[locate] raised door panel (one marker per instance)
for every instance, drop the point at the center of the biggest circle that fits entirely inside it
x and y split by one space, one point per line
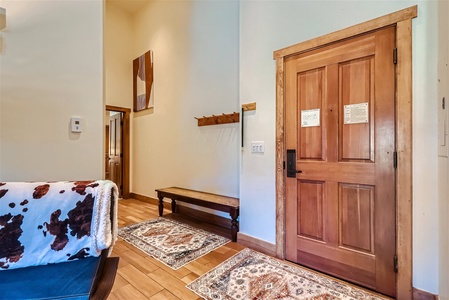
310 209
310 100
356 86
356 214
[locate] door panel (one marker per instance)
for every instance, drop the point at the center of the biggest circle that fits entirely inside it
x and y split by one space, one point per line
310 96
310 210
356 215
115 150
340 208
356 82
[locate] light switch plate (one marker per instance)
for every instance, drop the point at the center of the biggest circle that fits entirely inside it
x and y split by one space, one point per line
257 147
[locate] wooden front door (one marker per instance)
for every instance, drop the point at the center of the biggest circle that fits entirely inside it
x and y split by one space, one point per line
340 138
115 150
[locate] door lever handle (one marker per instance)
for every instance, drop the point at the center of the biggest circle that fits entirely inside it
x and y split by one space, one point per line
298 171
291 163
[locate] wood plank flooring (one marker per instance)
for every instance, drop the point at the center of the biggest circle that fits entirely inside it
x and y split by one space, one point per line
139 276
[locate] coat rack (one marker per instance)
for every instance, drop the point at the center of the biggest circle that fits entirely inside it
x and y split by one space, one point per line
226 118
220 119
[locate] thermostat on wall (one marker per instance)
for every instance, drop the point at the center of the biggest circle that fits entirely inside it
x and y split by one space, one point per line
76 124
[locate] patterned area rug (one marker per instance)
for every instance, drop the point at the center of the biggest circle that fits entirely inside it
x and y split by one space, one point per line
171 242
253 275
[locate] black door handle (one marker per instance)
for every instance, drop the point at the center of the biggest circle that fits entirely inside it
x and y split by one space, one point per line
291 163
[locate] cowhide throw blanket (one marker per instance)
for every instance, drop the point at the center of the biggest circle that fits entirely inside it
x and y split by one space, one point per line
51 222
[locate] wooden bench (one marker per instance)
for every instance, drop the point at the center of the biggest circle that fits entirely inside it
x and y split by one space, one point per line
213 201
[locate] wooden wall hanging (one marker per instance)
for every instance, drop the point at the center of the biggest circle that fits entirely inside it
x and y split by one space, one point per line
143 78
225 118
220 119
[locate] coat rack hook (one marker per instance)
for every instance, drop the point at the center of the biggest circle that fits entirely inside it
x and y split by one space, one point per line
218 119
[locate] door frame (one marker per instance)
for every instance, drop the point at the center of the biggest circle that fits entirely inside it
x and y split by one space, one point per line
125 146
403 21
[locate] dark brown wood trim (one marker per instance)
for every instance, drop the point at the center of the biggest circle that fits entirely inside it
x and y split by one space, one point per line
126 146
118 108
107 280
184 210
423 295
147 199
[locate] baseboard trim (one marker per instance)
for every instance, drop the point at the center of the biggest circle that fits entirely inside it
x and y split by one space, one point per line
149 200
256 244
184 210
423 295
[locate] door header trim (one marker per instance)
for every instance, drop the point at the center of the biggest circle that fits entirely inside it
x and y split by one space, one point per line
384 21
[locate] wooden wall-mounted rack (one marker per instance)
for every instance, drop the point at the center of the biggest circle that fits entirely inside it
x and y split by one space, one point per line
220 119
249 106
225 118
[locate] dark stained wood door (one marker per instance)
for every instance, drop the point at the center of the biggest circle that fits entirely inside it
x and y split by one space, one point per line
339 114
115 150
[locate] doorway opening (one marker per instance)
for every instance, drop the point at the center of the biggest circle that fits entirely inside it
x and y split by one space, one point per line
117 148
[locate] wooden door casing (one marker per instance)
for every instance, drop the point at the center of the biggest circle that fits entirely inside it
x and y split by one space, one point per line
106 170
340 211
115 150
126 113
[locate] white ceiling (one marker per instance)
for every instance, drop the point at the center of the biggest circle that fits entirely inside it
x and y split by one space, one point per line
130 6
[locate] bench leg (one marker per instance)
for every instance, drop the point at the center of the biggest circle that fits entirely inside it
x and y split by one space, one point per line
234 225
173 205
161 206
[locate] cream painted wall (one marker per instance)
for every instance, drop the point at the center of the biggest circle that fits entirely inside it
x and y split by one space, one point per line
266 26
118 56
195 49
51 70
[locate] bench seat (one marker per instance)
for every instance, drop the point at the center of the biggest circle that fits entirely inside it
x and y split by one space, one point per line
227 204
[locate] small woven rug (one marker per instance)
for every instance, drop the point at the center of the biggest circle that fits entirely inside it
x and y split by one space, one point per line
171 242
253 275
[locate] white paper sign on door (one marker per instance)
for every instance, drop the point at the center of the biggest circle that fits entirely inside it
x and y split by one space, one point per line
356 113
310 117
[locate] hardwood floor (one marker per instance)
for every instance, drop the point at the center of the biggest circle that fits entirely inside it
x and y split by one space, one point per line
139 276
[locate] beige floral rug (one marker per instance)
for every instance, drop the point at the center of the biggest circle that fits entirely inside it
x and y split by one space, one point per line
171 242
253 275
